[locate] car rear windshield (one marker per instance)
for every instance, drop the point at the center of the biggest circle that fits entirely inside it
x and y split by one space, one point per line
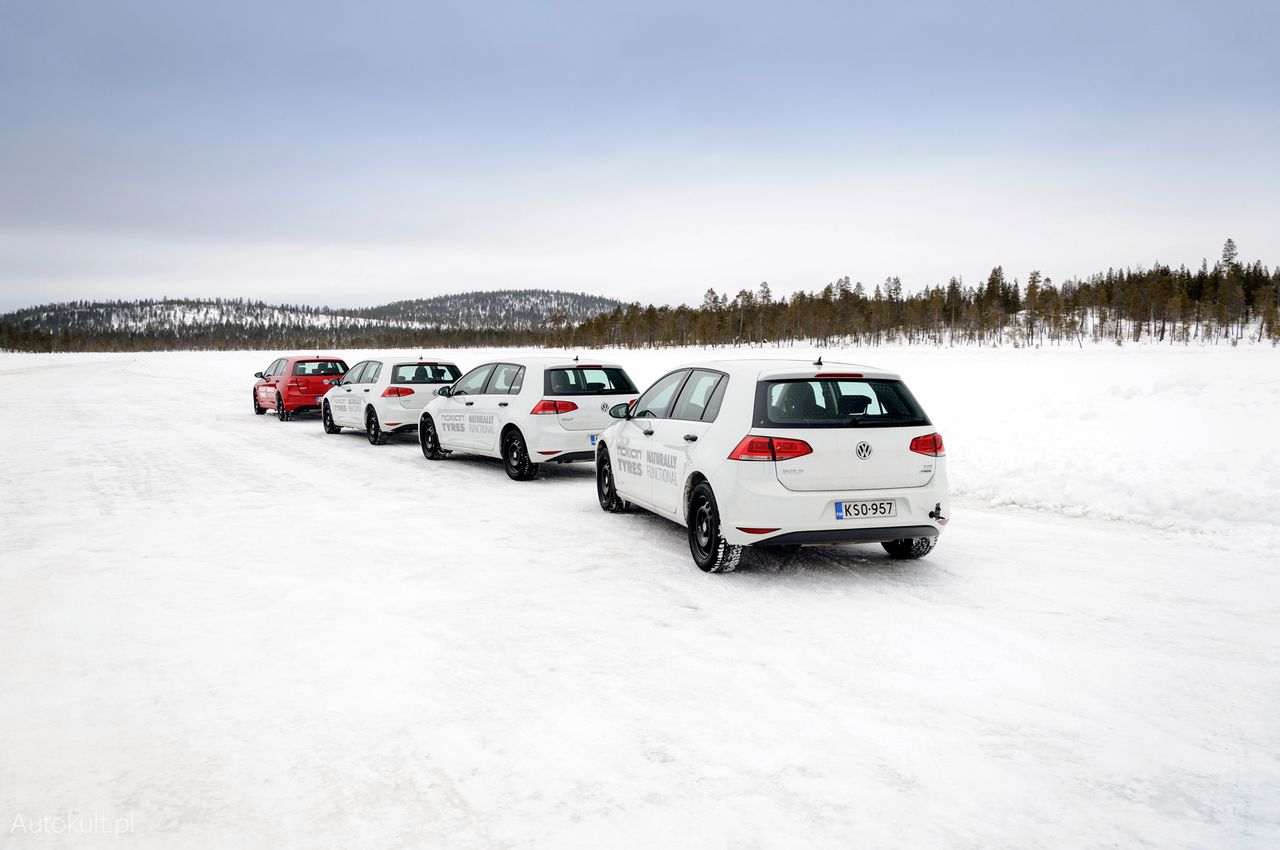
425 373
836 403
587 380
319 367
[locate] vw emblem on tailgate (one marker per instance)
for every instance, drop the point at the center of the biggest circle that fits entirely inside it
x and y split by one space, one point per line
863 450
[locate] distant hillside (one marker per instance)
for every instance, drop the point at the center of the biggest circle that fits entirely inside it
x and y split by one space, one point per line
520 309
527 314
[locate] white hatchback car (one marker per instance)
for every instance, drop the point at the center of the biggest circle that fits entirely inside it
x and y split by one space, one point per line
778 453
383 396
525 410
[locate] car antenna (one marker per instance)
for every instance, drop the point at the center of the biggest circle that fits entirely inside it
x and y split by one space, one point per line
818 362
575 358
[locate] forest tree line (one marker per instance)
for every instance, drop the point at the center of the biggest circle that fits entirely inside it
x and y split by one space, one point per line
1226 303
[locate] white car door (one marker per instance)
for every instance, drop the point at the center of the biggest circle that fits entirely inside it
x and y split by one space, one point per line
493 406
676 436
362 392
636 462
454 425
344 399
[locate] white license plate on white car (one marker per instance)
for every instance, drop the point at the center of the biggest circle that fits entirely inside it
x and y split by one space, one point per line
866 510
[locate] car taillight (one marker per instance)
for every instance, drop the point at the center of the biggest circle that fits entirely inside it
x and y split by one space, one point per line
394 392
930 444
769 448
549 406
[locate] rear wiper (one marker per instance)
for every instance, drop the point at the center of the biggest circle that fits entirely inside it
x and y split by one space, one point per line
855 421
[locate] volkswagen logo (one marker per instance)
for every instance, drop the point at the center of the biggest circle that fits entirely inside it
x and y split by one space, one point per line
863 451
604 405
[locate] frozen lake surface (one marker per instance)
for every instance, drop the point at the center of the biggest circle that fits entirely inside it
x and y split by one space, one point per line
237 632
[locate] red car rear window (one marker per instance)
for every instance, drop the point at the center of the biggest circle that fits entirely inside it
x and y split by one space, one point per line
319 367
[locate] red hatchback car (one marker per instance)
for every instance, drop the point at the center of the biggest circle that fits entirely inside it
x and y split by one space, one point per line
293 384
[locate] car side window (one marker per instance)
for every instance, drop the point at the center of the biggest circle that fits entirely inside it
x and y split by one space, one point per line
656 400
277 368
504 377
353 374
473 382
517 382
713 406
371 372
696 395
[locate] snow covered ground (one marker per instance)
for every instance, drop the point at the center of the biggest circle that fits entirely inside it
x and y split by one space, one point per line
226 631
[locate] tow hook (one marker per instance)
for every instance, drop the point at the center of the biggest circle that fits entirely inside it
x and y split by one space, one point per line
936 513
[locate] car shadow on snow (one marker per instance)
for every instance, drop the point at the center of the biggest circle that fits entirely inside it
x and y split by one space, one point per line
849 561
548 473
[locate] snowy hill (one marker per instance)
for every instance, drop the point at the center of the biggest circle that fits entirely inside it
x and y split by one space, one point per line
517 309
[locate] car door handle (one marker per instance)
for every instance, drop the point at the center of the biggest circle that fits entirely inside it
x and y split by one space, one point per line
468 403
648 432
691 438
366 390
503 403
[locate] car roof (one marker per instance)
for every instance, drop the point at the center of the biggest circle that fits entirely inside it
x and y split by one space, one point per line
564 361
401 359
784 368
314 357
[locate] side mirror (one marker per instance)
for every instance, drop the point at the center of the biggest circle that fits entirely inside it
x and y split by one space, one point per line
620 411
445 391
257 374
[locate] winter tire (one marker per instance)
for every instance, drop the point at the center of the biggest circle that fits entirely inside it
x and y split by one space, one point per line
515 457
430 440
373 429
606 487
257 408
707 545
326 416
911 548
281 413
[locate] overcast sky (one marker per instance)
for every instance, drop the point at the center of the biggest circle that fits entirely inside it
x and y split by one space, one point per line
356 152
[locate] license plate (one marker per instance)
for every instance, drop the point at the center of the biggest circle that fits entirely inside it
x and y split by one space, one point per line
593 439
866 510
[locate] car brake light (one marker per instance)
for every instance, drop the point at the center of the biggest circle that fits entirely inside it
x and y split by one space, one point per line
550 406
930 444
393 392
757 530
769 448
838 375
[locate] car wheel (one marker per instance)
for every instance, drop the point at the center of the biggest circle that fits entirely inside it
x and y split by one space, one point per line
373 429
606 487
710 551
257 407
911 548
515 457
281 413
430 439
326 416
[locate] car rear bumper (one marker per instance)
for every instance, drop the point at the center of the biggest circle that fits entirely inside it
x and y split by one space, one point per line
556 445
777 516
850 535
